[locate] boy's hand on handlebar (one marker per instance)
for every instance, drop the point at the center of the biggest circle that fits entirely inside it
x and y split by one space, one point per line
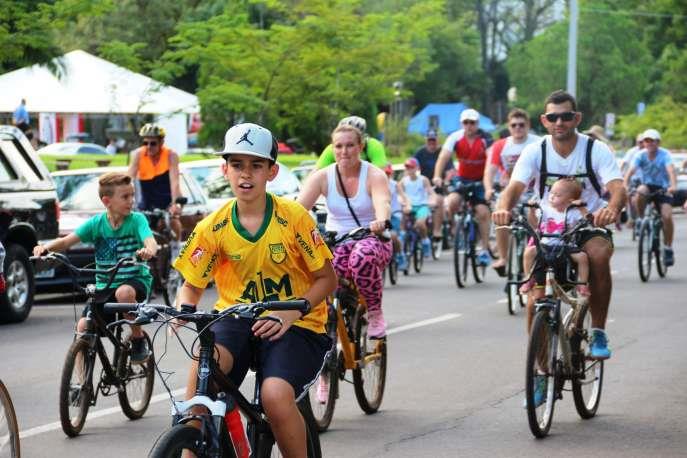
40 250
145 253
273 329
436 181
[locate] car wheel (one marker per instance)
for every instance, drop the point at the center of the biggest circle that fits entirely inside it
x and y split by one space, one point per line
16 301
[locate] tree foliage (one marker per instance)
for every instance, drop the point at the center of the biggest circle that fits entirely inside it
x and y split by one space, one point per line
666 115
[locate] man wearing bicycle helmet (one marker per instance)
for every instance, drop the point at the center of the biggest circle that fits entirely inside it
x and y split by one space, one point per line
260 247
373 149
157 169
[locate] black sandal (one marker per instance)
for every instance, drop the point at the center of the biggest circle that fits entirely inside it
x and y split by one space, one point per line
501 270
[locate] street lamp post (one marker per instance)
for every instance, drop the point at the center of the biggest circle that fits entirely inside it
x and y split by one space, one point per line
572 49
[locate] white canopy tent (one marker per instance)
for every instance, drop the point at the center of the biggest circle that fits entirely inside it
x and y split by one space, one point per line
86 84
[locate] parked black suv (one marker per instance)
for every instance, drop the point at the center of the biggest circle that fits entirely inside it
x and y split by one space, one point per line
29 211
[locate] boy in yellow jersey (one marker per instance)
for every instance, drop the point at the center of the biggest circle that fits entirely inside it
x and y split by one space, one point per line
260 247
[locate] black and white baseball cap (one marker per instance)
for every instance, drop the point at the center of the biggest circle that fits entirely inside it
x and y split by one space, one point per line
250 139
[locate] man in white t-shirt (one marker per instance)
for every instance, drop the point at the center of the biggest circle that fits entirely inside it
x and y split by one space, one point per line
501 157
566 154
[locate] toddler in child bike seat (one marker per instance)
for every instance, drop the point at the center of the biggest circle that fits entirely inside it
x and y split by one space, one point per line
563 193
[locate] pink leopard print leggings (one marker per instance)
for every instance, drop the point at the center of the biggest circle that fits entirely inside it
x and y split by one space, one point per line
363 262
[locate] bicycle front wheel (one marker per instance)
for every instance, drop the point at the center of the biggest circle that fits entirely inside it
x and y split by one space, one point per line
369 374
417 255
267 448
172 284
460 257
393 270
324 392
661 267
9 430
183 438
514 274
588 373
540 376
138 380
76 386
645 249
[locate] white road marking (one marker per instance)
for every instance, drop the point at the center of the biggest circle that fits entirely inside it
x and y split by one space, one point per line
165 396
502 301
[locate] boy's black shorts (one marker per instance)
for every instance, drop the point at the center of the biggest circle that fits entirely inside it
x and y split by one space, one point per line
108 295
297 356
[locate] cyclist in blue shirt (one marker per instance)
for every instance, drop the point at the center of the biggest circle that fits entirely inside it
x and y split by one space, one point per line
658 173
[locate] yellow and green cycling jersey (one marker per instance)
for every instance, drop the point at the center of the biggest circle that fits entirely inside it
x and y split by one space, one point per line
274 264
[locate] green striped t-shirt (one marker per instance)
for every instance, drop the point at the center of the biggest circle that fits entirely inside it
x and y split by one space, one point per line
111 245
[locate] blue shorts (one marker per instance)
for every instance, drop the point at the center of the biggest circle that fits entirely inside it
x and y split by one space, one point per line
395 222
421 211
477 196
297 356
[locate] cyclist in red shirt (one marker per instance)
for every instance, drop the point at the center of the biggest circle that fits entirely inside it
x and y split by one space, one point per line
470 149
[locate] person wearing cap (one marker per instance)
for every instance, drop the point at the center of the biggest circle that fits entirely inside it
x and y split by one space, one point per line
357 195
598 133
419 192
261 247
373 150
625 164
427 157
157 169
470 149
566 153
502 156
658 176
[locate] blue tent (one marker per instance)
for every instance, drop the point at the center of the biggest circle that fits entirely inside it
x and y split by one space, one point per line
446 116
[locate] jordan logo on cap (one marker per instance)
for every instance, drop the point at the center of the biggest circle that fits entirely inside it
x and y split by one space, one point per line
244 138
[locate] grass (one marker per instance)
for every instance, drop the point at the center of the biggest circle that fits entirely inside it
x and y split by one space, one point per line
84 161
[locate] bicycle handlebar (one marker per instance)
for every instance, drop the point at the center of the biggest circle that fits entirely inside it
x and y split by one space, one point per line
358 233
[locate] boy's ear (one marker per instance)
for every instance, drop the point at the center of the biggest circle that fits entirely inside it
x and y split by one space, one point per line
105 200
274 169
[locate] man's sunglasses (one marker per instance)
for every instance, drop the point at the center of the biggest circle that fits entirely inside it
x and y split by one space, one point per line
469 121
149 143
518 124
566 117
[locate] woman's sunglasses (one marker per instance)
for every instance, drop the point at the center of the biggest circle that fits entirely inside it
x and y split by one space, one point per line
566 117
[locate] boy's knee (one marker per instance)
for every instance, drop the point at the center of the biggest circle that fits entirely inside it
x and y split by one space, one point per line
125 293
277 397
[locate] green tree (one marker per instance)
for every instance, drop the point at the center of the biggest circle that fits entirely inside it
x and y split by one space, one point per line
612 63
666 115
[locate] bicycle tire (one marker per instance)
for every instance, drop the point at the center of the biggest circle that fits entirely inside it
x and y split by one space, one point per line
661 267
324 412
76 395
183 437
587 380
393 270
418 257
365 376
135 406
513 273
172 284
460 257
644 252
542 342
407 252
8 420
478 270
266 449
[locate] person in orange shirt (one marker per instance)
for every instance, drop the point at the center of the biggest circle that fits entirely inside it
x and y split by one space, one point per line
157 169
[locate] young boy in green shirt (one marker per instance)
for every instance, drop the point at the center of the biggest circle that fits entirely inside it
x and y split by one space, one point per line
116 233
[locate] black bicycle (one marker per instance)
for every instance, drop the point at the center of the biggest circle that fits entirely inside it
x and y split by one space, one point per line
559 344
650 234
9 431
352 349
88 370
466 236
216 393
166 279
515 270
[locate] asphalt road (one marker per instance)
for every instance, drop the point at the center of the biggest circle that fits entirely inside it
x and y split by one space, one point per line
454 384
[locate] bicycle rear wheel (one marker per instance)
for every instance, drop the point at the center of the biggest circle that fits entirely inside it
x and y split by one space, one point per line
76 386
645 249
514 273
588 373
407 251
661 267
267 447
369 374
393 270
478 269
540 376
460 257
324 392
9 430
138 380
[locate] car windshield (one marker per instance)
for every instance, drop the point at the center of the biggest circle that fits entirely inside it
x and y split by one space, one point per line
86 198
69 184
217 187
205 174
